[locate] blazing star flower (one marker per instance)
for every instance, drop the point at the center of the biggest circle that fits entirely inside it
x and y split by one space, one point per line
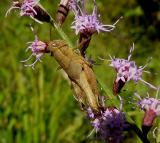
151 106
109 125
27 8
84 23
32 9
38 48
127 70
150 103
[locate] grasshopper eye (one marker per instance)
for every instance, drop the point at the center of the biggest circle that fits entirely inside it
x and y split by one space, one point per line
54 45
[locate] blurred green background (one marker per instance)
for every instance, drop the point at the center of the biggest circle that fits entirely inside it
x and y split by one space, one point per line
37 106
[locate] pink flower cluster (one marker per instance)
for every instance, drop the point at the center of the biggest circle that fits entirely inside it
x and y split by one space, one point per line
110 125
26 8
87 23
38 48
126 69
150 104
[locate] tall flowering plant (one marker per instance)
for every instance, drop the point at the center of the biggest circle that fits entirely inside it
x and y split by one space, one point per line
109 122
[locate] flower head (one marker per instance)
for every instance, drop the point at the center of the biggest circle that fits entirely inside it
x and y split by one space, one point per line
110 125
128 70
27 8
151 106
87 23
38 48
32 9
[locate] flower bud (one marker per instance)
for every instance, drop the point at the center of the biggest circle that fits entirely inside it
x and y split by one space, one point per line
117 86
62 12
149 117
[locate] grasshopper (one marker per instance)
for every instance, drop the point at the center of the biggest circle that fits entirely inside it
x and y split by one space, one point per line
79 72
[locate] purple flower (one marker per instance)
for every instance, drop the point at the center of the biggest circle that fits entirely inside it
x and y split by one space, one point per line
32 9
27 8
90 113
128 70
85 23
151 106
110 125
38 48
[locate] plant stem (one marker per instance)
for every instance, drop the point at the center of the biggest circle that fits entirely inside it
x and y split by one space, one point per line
139 133
61 32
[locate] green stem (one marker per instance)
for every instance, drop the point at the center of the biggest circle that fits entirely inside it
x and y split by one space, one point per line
139 133
61 32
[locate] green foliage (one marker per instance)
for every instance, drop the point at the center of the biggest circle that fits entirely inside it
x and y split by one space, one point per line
38 106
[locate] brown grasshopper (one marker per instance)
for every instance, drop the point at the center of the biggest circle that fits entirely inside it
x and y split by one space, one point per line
79 72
